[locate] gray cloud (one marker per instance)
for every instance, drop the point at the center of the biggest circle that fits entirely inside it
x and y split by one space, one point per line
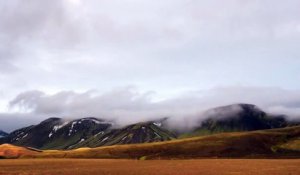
128 105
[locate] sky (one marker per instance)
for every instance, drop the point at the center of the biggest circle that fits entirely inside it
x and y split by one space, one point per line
135 59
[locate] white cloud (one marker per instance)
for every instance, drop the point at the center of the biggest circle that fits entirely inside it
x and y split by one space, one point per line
129 105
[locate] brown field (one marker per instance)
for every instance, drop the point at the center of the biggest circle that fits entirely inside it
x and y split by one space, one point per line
136 167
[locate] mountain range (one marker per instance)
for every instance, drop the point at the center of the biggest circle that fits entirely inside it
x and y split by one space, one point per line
57 133
271 143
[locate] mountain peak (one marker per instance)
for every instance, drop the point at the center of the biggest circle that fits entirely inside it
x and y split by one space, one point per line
246 106
233 110
52 119
238 117
242 106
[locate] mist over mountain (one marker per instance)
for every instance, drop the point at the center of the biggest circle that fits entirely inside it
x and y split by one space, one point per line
57 133
128 105
238 117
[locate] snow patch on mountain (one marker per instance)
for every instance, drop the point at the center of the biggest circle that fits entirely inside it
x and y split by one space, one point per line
20 136
95 121
71 128
24 136
124 138
100 133
72 146
157 124
57 127
157 134
104 139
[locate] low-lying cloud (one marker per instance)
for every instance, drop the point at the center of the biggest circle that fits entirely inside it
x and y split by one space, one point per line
128 105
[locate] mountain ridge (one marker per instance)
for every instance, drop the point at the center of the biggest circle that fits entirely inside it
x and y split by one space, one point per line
57 133
271 143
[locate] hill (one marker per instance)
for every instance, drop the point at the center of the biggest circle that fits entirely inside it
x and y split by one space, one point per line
11 151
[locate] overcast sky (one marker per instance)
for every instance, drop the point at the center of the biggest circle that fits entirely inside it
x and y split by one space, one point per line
134 59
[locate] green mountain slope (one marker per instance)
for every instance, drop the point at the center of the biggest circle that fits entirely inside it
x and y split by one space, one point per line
137 133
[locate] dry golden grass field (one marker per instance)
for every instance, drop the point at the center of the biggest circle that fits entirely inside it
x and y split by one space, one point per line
148 167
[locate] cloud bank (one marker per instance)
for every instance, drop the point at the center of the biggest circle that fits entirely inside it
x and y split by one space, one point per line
128 105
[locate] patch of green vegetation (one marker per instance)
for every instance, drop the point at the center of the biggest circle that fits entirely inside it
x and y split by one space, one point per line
209 131
293 145
143 158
